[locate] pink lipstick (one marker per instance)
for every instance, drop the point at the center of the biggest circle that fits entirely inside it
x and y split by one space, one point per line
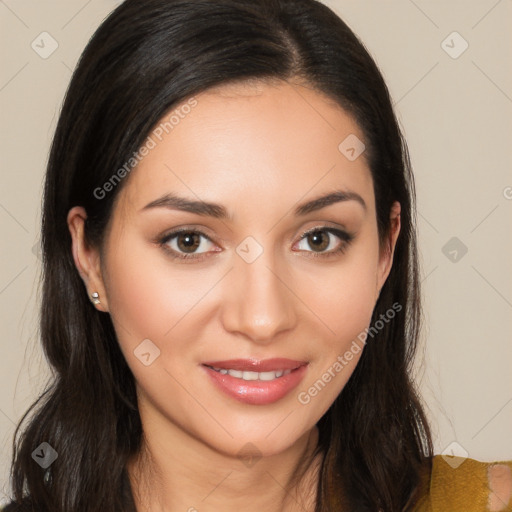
256 382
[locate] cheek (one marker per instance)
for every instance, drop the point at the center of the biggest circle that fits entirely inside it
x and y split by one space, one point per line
343 300
342 296
337 353
147 300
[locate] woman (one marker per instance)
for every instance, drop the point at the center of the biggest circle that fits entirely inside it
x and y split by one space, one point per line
231 295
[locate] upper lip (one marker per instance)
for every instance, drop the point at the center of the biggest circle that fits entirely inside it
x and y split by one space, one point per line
254 365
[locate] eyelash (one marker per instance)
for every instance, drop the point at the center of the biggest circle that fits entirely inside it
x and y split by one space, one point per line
345 237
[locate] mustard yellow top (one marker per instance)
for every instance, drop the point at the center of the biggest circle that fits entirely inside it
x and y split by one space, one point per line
458 484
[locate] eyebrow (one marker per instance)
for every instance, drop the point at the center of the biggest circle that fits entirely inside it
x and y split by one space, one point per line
174 202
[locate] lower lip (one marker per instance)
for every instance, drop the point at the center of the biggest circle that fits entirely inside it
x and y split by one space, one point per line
257 392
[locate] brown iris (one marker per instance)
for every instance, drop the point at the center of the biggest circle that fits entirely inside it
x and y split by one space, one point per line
190 241
318 240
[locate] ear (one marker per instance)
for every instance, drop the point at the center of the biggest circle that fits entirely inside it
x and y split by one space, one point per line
386 256
87 259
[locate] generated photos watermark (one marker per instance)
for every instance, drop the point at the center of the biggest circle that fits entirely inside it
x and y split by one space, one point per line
151 142
304 397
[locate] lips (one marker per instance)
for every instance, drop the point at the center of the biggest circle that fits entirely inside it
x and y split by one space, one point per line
256 382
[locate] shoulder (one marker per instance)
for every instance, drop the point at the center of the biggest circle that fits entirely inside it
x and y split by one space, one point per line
457 483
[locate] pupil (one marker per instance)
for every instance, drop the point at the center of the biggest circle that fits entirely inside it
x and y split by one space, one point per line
191 241
316 237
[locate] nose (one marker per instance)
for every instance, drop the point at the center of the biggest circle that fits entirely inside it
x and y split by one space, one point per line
259 302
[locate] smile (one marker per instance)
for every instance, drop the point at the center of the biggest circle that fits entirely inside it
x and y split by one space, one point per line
249 375
256 382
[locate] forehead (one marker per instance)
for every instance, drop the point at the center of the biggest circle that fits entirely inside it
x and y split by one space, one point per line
244 143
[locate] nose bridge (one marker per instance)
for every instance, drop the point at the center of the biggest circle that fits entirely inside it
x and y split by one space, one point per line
260 303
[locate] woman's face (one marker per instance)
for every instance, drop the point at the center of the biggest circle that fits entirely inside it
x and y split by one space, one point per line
253 287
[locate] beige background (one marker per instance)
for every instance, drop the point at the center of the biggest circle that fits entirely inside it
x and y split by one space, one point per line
456 114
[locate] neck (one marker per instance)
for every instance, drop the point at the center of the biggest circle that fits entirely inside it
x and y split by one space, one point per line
176 472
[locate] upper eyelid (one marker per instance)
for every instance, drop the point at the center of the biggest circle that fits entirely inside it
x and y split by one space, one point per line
329 229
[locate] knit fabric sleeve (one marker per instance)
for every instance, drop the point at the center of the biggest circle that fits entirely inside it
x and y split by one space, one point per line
460 484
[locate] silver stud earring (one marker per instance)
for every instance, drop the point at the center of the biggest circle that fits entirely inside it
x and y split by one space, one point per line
95 298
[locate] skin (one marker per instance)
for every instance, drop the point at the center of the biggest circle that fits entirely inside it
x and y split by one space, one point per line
259 150
500 486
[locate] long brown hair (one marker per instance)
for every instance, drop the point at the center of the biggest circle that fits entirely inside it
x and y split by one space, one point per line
146 58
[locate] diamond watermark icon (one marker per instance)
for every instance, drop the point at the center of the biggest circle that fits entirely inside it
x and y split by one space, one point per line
36 250
146 352
454 454
352 147
249 249
454 45
249 454
454 249
44 45
44 455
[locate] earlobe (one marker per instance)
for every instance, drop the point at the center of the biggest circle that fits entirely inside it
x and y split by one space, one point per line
86 258
386 258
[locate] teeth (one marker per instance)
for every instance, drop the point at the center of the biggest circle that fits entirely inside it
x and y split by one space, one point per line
270 375
252 375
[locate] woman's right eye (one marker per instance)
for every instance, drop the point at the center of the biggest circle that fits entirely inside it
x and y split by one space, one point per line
184 244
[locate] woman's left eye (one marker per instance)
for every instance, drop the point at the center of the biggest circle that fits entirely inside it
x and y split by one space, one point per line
322 242
190 244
